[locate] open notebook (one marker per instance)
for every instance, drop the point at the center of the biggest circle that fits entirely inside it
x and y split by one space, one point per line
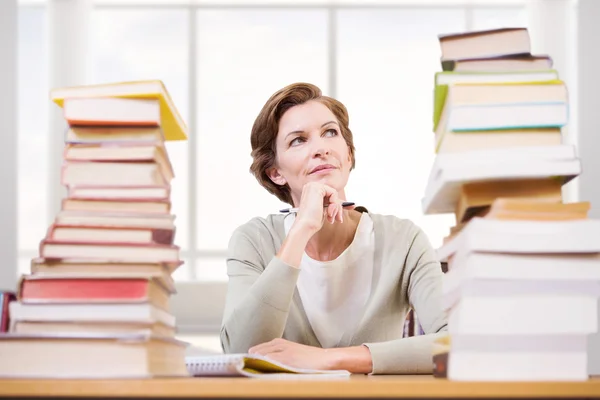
254 366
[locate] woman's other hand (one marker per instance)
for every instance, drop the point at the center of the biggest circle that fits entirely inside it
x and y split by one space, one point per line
318 203
294 354
355 359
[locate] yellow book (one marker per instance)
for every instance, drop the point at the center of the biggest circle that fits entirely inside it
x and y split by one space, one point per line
173 126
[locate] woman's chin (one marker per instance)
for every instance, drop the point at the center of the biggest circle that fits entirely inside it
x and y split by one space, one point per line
328 180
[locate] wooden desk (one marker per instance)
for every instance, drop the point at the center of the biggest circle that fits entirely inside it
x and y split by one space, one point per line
356 387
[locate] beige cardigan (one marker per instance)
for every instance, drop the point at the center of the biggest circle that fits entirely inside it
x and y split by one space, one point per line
263 303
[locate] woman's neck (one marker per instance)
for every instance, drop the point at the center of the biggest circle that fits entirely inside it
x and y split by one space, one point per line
332 239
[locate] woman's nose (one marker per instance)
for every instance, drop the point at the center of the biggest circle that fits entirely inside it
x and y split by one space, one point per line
321 151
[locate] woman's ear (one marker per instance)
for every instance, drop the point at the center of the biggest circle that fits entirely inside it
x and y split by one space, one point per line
275 176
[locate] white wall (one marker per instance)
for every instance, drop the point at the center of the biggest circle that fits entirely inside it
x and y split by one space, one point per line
588 31
8 149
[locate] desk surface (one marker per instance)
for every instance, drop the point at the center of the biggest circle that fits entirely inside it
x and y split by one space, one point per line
409 386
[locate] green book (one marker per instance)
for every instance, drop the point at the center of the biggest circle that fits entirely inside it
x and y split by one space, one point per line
444 78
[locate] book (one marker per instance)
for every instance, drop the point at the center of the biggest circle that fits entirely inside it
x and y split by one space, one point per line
499 98
116 252
124 206
115 219
525 62
98 290
147 193
5 299
451 171
485 43
476 197
107 111
516 357
96 267
252 366
172 124
443 80
534 210
105 234
466 141
118 174
113 135
90 312
90 356
97 327
522 236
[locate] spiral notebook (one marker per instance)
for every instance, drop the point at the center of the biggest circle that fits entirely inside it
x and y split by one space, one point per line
253 366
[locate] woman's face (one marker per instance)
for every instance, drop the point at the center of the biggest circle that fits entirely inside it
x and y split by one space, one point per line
310 147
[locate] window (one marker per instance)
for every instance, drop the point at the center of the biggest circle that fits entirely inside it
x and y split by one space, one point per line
243 57
491 18
32 141
386 65
150 44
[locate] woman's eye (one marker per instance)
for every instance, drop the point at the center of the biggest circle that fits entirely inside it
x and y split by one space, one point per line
296 141
331 132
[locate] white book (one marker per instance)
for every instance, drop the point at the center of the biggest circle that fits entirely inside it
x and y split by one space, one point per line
518 358
501 155
452 170
477 117
443 190
483 265
525 315
454 77
519 236
472 158
492 306
88 312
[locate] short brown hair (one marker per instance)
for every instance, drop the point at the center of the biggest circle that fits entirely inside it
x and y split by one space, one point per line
264 131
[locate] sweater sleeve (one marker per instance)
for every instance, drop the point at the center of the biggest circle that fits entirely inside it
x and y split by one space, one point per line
413 355
258 298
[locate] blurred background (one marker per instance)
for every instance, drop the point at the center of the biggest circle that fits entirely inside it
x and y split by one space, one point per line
221 60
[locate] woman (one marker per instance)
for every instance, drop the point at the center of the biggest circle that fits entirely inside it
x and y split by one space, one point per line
327 287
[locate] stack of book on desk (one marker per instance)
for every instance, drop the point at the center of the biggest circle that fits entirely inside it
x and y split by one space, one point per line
523 279
96 303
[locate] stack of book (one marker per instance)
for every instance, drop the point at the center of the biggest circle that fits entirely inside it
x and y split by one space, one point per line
523 266
96 303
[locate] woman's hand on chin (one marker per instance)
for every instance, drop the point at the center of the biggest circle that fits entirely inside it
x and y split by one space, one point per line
312 212
296 355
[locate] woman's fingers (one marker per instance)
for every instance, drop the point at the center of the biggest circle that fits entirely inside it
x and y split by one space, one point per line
331 195
331 212
267 347
334 205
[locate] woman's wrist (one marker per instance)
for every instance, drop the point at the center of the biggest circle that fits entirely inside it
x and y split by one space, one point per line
356 359
293 246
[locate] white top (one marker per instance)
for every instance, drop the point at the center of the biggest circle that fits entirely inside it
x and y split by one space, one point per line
334 293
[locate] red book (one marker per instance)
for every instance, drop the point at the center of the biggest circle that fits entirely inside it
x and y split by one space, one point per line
92 290
5 299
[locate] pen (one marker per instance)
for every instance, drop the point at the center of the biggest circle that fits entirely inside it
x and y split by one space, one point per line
293 210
